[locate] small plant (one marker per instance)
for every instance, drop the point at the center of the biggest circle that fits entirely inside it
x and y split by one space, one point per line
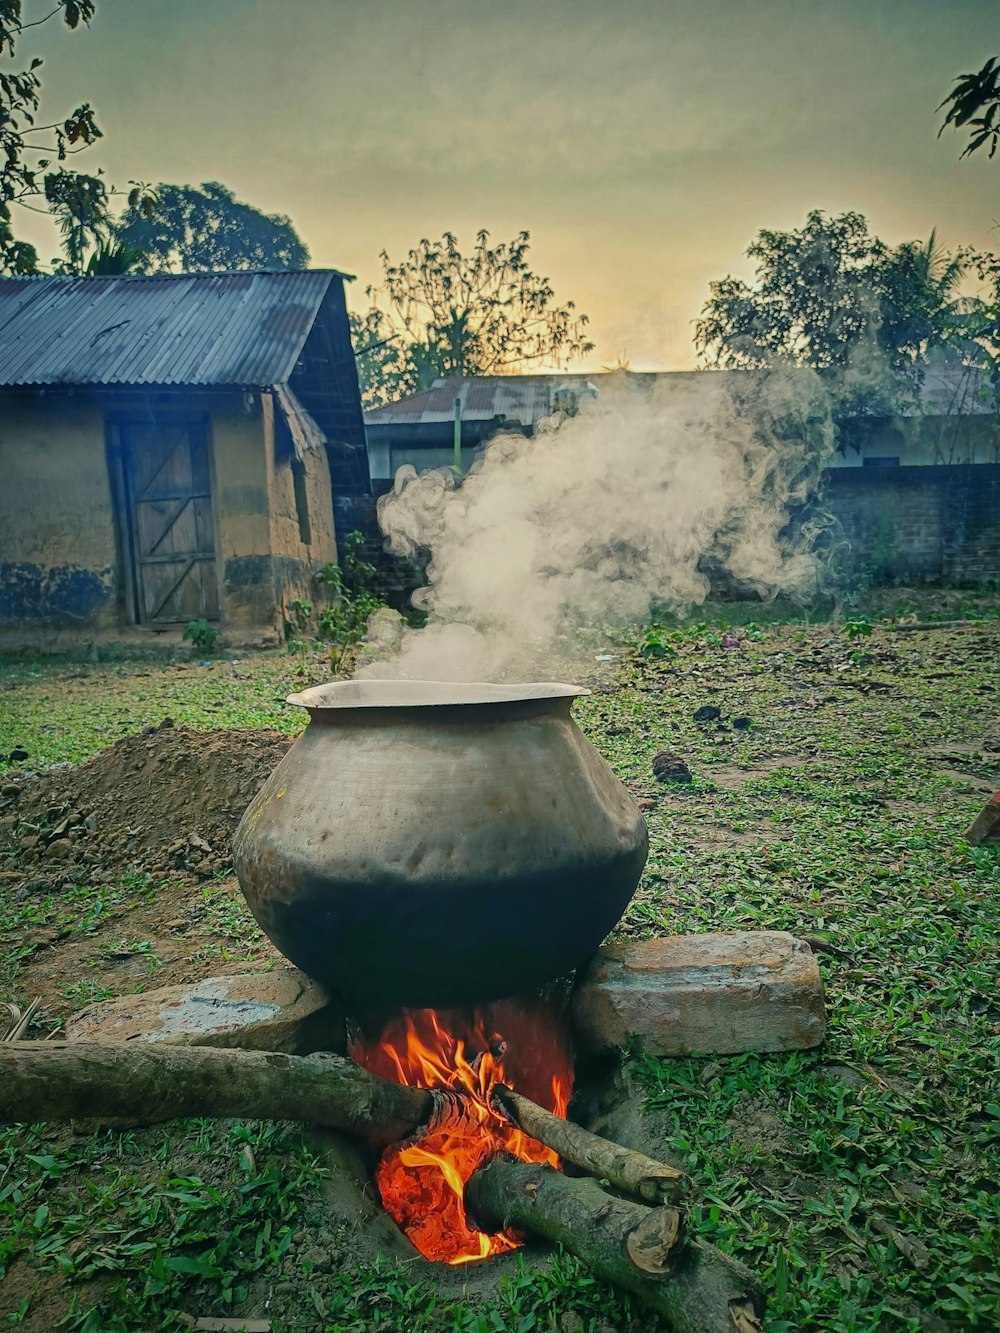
858 629
345 621
655 642
301 615
201 635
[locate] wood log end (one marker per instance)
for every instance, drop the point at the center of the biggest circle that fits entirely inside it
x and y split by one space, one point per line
655 1244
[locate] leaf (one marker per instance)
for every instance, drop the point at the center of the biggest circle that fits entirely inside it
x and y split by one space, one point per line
203 1266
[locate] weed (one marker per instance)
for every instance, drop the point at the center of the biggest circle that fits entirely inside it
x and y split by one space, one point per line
201 635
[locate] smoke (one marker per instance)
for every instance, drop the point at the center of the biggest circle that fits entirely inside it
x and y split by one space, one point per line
651 488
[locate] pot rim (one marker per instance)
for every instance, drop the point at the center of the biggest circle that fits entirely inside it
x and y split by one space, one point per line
356 694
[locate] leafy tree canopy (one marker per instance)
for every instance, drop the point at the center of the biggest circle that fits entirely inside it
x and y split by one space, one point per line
207 229
975 102
834 297
26 147
440 312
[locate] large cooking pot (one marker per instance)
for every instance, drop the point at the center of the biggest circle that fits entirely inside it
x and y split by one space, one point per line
428 844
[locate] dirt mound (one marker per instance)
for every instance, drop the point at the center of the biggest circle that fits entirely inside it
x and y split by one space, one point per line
167 799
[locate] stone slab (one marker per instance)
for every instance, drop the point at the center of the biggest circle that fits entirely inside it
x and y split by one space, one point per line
984 831
711 994
283 1010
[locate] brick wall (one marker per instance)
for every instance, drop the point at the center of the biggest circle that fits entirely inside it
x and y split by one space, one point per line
921 524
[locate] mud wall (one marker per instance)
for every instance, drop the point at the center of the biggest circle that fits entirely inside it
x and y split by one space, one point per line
303 538
60 562
58 557
274 530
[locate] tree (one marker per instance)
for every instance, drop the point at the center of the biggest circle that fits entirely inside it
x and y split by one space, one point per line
835 298
27 148
975 101
440 312
208 229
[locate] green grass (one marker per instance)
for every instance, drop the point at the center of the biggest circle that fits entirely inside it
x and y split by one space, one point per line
860 1179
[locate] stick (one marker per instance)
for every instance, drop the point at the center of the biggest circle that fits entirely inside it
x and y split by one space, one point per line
144 1084
22 1020
631 1172
697 1287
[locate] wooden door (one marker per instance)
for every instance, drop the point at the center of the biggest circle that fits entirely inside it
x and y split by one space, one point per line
168 496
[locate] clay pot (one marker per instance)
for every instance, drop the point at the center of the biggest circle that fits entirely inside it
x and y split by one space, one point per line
429 844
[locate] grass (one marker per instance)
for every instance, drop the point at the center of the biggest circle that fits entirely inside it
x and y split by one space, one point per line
860 1179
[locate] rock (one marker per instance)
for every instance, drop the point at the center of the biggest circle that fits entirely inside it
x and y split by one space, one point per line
283 1010
12 789
718 993
60 849
741 724
669 767
708 713
17 755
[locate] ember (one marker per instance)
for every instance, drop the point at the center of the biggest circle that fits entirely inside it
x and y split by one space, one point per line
468 1053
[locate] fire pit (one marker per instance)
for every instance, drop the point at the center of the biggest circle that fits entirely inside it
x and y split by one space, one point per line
464 1056
430 844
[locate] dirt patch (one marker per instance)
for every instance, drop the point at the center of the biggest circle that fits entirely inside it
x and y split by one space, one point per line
754 1124
731 778
116 876
166 799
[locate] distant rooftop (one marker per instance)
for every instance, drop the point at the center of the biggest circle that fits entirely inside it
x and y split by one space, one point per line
244 329
948 389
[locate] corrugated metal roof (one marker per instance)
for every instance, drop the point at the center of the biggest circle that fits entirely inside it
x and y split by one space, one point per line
948 390
516 398
243 329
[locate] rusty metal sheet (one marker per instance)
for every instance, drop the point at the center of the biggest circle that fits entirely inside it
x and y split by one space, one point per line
244 329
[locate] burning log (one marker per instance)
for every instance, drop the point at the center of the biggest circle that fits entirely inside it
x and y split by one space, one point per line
144 1084
697 1287
631 1172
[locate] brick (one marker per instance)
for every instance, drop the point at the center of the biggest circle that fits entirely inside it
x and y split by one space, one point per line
283 1010
985 828
718 994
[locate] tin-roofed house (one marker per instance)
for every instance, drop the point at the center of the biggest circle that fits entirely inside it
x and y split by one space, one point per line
172 447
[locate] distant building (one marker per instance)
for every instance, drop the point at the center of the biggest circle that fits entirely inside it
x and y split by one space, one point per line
172 447
954 422
917 495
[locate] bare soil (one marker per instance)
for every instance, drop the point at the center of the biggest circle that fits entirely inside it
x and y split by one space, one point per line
122 866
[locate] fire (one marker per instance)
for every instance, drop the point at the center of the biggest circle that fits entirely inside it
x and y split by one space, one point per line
422 1181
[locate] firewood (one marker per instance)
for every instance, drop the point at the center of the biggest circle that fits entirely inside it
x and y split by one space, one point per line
143 1084
631 1172
695 1286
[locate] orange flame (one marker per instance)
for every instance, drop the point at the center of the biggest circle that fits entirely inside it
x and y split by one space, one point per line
422 1181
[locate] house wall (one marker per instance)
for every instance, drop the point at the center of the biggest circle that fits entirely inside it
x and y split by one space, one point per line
60 567
928 441
58 555
297 510
921 524
264 562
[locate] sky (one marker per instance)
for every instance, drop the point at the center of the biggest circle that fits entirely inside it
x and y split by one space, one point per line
642 144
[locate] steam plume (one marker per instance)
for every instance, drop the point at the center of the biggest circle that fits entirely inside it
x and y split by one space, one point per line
624 505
